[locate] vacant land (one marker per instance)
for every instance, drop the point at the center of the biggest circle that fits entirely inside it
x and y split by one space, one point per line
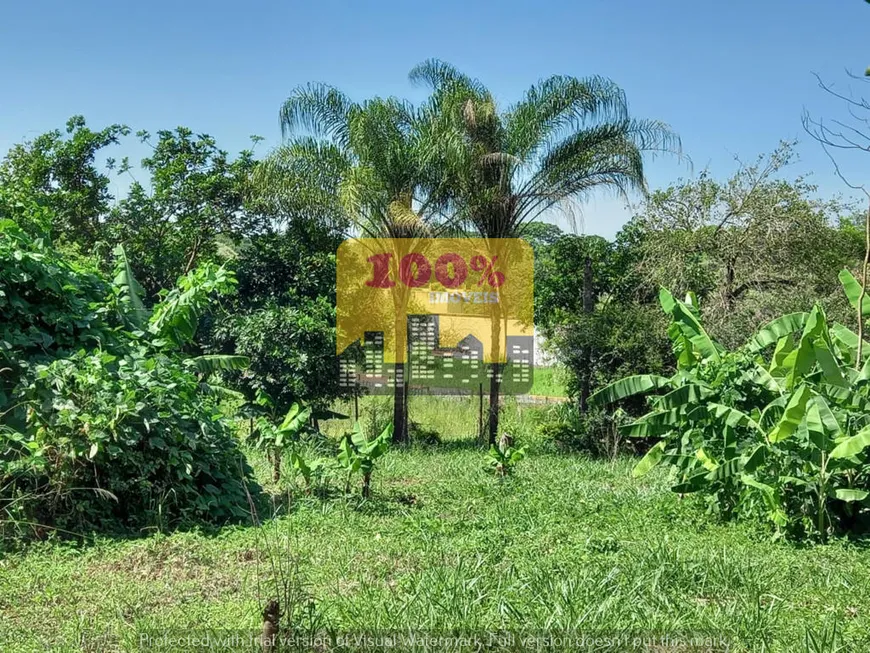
565 543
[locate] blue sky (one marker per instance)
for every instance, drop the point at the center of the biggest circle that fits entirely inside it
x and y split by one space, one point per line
731 77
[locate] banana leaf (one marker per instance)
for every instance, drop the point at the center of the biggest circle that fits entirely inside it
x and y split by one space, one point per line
853 292
793 415
627 387
776 330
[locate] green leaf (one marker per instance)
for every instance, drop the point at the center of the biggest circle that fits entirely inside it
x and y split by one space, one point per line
822 424
847 342
769 493
691 328
793 415
211 363
693 483
850 495
852 446
778 365
846 397
221 392
652 458
708 463
627 387
853 292
295 420
732 417
772 412
762 377
726 470
667 300
755 459
865 372
347 456
300 465
802 360
830 366
776 330
641 429
126 282
682 396
672 417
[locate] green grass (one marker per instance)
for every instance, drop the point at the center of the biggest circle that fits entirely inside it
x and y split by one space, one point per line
566 543
549 382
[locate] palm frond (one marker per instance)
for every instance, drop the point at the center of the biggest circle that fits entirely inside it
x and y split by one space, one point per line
437 74
318 108
609 155
221 392
558 103
302 176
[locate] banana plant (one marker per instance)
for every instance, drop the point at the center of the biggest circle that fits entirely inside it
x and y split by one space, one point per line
311 471
274 439
779 427
502 460
358 454
172 323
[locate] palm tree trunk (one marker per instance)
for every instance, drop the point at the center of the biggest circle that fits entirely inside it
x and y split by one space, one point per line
400 416
400 399
495 380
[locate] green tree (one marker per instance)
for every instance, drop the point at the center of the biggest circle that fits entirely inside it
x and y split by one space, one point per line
500 170
603 326
193 202
357 163
750 247
283 317
59 171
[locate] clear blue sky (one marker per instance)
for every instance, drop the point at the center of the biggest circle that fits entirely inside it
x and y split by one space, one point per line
731 77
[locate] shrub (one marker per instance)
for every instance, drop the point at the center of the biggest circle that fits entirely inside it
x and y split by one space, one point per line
356 453
782 437
139 429
594 432
503 457
102 420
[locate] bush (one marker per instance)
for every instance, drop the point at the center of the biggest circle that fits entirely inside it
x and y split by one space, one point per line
781 437
103 422
594 432
138 429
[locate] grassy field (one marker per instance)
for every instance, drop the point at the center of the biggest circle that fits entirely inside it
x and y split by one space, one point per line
548 382
566 543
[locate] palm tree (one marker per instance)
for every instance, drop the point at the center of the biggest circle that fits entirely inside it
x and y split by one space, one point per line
497 171
357 162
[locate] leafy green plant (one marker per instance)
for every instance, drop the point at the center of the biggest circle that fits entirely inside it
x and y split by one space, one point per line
356 453
595 431
503 457
103 420
779 435
274 439
313 471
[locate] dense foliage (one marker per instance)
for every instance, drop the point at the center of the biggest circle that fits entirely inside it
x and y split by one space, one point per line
102 420
133 327
779 435
283 317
